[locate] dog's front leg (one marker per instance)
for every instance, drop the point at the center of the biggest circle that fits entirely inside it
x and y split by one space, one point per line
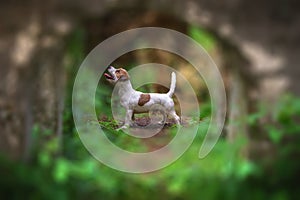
128 117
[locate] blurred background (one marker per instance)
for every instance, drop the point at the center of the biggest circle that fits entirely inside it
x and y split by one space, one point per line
256 46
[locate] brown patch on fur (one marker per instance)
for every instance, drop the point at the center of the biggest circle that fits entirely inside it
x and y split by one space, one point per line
144 98
122 74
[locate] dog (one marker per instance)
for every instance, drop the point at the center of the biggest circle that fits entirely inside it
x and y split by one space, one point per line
137 102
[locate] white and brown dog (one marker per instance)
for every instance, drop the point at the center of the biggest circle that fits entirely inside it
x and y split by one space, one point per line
137 102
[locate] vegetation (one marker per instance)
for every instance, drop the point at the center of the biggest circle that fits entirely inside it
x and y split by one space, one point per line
68 171
72 173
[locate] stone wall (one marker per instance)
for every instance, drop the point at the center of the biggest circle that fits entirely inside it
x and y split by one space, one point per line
32 45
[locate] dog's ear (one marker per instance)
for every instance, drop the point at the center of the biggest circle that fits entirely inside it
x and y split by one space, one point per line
123 75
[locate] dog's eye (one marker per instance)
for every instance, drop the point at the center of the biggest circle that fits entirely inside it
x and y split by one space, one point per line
117 70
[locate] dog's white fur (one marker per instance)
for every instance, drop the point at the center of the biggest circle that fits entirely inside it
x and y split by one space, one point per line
129 98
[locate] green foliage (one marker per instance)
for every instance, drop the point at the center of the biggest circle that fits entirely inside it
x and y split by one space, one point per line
203 37
285 116
109 124
253 118
63 169
75 174
205 110
283 134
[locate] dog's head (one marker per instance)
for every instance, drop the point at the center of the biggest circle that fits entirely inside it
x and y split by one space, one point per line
115 75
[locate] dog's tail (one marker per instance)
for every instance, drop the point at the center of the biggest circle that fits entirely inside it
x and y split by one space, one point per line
173 84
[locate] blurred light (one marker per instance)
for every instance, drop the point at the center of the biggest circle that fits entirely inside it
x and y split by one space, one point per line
25 43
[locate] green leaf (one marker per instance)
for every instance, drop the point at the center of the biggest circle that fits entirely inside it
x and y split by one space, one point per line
44 159
61 171
245 168
275 134
204 38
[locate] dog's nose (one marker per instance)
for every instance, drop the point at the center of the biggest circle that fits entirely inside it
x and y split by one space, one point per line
110 67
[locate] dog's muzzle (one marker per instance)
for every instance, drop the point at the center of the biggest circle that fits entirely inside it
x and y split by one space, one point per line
110 75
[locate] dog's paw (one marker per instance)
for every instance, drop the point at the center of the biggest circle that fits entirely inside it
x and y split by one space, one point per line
122 127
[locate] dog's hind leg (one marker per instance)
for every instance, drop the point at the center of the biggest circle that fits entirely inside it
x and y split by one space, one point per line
173 114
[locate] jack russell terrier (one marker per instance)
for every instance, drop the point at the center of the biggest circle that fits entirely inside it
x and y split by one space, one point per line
137 102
